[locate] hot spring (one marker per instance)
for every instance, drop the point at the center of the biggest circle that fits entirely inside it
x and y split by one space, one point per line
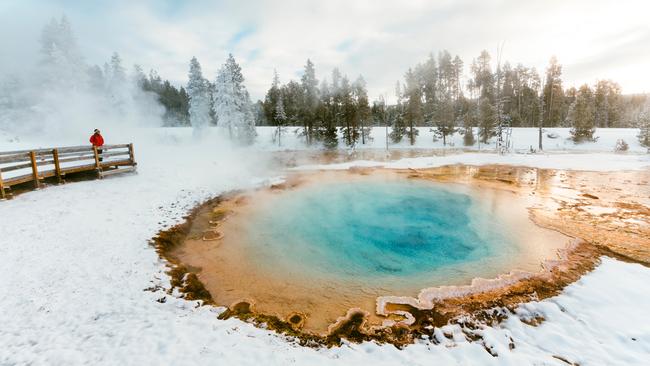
336 241
390 233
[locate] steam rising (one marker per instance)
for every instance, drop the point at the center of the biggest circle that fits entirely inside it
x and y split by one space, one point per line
63 96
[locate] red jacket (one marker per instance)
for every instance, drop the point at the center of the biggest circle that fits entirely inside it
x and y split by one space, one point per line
97 140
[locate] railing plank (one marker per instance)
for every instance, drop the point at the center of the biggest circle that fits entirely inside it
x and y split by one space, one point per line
16 167
23 151
106 155
75 149
14 158
111 147
79 158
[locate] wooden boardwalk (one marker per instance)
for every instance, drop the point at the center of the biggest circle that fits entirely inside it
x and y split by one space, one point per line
30 167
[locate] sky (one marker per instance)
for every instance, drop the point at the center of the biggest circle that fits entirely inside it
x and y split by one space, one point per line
592 39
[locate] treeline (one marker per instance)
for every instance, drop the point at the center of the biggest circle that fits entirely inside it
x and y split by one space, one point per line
435 94
321 109
176 101
441 93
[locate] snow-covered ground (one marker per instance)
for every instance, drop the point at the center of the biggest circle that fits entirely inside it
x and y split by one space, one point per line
522 140
76 260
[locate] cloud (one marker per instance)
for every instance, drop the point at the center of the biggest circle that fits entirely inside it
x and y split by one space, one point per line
593 39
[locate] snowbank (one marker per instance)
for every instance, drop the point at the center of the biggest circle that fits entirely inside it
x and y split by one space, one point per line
589 162
76 261
522 140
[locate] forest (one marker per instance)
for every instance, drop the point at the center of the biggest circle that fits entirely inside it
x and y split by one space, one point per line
478 100
435 94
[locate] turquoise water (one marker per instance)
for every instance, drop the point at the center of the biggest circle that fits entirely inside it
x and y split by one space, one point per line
371 231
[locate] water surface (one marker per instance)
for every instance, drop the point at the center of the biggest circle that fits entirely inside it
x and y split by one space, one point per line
400 232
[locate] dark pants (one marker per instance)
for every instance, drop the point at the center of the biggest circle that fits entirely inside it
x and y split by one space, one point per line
99 151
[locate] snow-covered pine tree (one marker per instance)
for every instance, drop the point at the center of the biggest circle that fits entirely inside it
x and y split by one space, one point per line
582 115
225 103
280 118
231 94
246 132
644 124
199 96
309 103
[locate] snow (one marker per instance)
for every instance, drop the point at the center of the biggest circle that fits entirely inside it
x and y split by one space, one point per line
606 162
76 261
522 140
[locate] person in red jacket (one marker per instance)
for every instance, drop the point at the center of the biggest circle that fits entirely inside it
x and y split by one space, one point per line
97 140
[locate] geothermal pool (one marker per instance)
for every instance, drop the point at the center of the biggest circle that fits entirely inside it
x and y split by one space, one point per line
398 234
328 242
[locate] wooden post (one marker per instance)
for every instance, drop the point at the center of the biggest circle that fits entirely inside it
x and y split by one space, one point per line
97 166
57 166
2 187
131 156
32 157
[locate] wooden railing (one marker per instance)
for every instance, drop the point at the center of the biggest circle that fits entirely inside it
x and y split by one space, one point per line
24 166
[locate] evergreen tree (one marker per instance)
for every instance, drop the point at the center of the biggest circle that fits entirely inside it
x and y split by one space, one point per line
582 115
445 119
413 108
445 113
351 132
199 99
326 126
362 109
607 95
226 104
467 119
644 125
271 100
231 103
553 94
280 119
427 74
398 127
483 82
310 102
487 120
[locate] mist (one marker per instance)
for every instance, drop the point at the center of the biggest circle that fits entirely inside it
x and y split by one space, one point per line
63 97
